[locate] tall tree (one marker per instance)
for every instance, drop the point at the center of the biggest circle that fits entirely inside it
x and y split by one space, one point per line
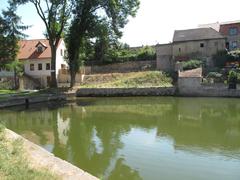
54 14
10 33
86 15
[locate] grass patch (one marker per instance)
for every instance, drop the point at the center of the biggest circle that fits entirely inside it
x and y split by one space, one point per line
129 80
6 91
14 165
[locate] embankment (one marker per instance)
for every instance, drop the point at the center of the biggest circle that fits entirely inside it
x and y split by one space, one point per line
153 91
31 99
42 159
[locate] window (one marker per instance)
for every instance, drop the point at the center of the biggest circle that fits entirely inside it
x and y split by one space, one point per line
39 49
61 52
179 49
216 43
48 67
201 45
31 67
63 66
39 67
233 31
234 44
227 45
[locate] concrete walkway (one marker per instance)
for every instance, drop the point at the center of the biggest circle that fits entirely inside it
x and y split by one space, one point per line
40 158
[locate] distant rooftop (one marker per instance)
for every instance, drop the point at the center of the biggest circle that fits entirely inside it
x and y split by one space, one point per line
217 25
230 22
196 34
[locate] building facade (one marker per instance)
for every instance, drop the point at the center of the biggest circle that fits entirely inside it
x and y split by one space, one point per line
201 43
230 30
36 57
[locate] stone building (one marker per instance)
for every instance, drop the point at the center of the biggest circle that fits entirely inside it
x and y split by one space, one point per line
230 30
201 43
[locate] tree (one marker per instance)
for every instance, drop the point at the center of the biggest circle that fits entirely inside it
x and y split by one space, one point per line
10 33
54 14
86 15
17 68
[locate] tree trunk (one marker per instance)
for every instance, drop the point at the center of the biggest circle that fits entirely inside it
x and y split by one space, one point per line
15 79
53 83
73 81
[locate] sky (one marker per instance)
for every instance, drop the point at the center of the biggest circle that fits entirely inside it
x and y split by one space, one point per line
155 21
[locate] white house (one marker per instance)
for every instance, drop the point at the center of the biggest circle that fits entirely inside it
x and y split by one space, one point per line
36 57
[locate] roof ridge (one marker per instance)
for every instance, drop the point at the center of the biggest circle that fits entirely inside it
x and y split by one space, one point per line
34 39
195 29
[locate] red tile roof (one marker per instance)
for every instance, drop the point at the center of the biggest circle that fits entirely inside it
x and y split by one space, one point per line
28 49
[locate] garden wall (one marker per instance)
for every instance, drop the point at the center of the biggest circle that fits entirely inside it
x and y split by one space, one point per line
158 91
131 66
207 90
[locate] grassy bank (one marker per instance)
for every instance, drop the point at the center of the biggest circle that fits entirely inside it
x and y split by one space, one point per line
6 91
13 161
128 80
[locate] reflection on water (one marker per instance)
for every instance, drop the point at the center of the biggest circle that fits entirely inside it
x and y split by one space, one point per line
139 138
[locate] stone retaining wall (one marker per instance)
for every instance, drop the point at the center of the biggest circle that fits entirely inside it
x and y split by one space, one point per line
156 91
211 90
27 100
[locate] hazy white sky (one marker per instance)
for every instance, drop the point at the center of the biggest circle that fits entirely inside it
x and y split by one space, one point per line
156 20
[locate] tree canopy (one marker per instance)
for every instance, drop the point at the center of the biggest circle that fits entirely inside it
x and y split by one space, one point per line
99 19
11 31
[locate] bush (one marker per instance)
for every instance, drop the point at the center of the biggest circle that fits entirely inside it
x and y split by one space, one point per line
232 76
124 54
192 64
222 57
214 75
217 77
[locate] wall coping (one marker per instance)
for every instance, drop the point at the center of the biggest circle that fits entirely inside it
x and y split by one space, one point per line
40 158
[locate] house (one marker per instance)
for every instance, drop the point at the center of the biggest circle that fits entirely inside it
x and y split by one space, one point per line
230 30
200 43
36 57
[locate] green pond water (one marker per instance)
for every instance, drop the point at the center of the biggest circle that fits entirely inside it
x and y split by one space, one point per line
148 138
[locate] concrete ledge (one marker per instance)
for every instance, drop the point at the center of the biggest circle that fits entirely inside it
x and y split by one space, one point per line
40 158
209 92
27 100
155 91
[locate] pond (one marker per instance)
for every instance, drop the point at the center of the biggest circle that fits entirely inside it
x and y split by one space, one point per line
139 137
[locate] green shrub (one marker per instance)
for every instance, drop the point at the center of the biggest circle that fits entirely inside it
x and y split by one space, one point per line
216 76
222 57
124 54
232 76
191 64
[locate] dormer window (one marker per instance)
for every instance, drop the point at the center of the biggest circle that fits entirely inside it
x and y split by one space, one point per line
40 47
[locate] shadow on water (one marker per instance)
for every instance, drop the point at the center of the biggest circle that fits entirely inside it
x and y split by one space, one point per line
90 132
